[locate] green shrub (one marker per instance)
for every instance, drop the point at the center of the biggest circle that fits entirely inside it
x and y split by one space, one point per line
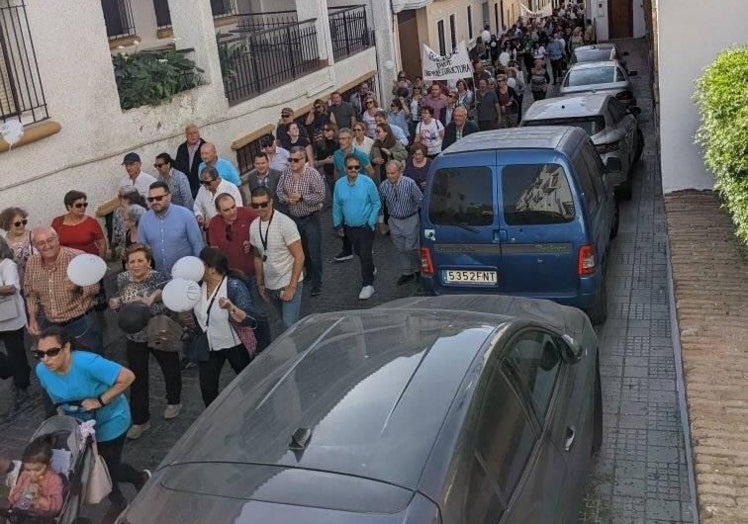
722 97
152 78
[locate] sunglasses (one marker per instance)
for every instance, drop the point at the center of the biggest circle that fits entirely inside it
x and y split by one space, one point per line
52 352
80 205
207 182
158 165
295 160
260 205
158 198
285 116
353 167
21 223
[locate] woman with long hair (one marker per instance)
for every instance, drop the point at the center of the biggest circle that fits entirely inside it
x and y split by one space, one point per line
386 148
371 108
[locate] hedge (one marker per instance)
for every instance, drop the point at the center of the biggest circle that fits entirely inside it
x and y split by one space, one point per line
722 96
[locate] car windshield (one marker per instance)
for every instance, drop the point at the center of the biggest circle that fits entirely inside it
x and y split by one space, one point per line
591 75
462 196
535 194
591 55
591 125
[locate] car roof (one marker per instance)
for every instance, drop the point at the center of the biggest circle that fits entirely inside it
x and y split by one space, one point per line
571 106
373 386
593 65
540 137
591 47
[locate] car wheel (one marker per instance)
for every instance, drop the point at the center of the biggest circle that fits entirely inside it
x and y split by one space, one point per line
599 311
597 414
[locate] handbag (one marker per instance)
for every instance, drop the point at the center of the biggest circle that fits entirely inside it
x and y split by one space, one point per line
99 483
247 335
164 333
197 348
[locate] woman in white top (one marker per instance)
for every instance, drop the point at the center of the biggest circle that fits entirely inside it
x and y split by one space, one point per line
360 140
430 132
371 108
12 321
224 302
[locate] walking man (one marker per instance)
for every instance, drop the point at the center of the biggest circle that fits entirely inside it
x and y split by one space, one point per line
355 209
179 186
261 176
278 257
169 230
225 168
403 198
188 157
459 127
135 177
302 189
487 103
213 185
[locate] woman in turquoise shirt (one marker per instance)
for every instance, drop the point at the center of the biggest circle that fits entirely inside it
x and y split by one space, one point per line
70 377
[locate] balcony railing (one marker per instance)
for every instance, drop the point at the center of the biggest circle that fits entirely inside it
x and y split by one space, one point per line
260 21
118 18
258 61
349 31
21 93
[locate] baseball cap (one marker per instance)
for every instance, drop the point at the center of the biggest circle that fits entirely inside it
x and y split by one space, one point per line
131 157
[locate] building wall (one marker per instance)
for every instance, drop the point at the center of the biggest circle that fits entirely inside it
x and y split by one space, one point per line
441 11
680 62
81 93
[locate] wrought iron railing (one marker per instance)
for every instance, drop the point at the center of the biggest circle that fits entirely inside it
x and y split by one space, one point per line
349 30
21 92
266 20
259 61
118 18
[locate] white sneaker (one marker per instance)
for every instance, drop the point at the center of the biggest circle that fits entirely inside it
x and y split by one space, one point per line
137 430
366 293
172 411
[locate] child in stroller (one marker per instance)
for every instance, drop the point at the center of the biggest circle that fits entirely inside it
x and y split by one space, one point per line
38 488
71 460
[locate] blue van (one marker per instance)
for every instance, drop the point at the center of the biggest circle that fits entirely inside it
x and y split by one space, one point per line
522 211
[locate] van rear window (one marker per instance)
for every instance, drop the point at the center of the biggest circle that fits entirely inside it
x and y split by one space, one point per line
536 194
591 125
462 196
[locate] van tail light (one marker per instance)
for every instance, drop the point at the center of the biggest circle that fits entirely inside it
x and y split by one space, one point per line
608 148
624 96
586 260
427 265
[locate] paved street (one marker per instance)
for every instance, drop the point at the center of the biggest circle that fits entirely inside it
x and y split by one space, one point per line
641 473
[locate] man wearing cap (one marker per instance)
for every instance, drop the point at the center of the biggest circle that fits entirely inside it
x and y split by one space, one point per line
277 156
188 157
135 177
224 167
213 185
281 132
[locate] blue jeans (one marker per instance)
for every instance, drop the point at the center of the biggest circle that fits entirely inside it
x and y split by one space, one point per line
289 311
262 331
85 332
310 230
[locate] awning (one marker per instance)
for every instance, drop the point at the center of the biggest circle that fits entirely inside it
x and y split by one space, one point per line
404 5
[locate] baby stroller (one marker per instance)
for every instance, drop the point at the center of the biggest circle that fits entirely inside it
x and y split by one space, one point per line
72 460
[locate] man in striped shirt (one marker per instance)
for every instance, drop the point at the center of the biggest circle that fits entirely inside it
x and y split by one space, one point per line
403 199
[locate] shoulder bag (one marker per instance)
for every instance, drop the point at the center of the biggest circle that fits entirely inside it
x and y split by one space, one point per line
197 348
99 483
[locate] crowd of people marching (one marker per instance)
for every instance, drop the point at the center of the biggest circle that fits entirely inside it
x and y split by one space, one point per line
259 236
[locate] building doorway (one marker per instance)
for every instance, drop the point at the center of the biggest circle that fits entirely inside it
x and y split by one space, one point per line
410 46
620 19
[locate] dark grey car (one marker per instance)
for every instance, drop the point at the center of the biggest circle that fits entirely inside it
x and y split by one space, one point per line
450 409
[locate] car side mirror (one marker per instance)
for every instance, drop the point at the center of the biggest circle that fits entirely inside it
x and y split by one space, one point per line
636 111
575 351
633 72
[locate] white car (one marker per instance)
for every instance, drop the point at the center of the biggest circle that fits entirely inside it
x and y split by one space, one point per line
600 77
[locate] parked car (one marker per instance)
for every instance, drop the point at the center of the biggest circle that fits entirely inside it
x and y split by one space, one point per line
601 77
444 410
613 128
596 53
522 211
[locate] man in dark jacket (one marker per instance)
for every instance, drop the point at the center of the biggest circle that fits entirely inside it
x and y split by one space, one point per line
188 157
459 127
261 176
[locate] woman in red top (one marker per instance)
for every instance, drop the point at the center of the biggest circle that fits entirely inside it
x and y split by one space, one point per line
78 230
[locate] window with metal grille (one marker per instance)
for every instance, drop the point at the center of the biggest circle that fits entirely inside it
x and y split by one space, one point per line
118 18
442 38
21 93
245 156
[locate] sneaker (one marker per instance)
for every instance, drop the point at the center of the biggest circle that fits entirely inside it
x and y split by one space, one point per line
405 279
172 411
343 256
366 293
136 430
186 364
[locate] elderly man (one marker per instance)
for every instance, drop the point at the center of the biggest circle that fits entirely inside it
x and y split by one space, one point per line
136 177
355 210
403 199
213 185
179 186
302 189
225 168
277 156
169 230
188 157
52 299
459 127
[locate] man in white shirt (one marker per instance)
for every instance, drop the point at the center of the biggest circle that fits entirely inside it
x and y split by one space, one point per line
135 177
212 185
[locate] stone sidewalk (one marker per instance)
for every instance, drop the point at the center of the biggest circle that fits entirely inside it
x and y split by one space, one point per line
710 278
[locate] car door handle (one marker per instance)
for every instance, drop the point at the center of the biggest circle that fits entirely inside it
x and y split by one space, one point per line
571 432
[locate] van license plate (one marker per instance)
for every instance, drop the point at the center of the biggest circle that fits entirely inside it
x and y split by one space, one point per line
487 278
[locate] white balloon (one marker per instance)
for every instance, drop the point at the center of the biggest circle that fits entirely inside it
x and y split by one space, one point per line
181 295
12 131
188 268
86 269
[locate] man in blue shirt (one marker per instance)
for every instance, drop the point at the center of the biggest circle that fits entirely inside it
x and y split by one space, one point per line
225 168
170 231
555 49
355 210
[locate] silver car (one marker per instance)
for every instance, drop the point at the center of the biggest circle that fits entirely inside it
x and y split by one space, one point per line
613 128
596 53
441 410
601 77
